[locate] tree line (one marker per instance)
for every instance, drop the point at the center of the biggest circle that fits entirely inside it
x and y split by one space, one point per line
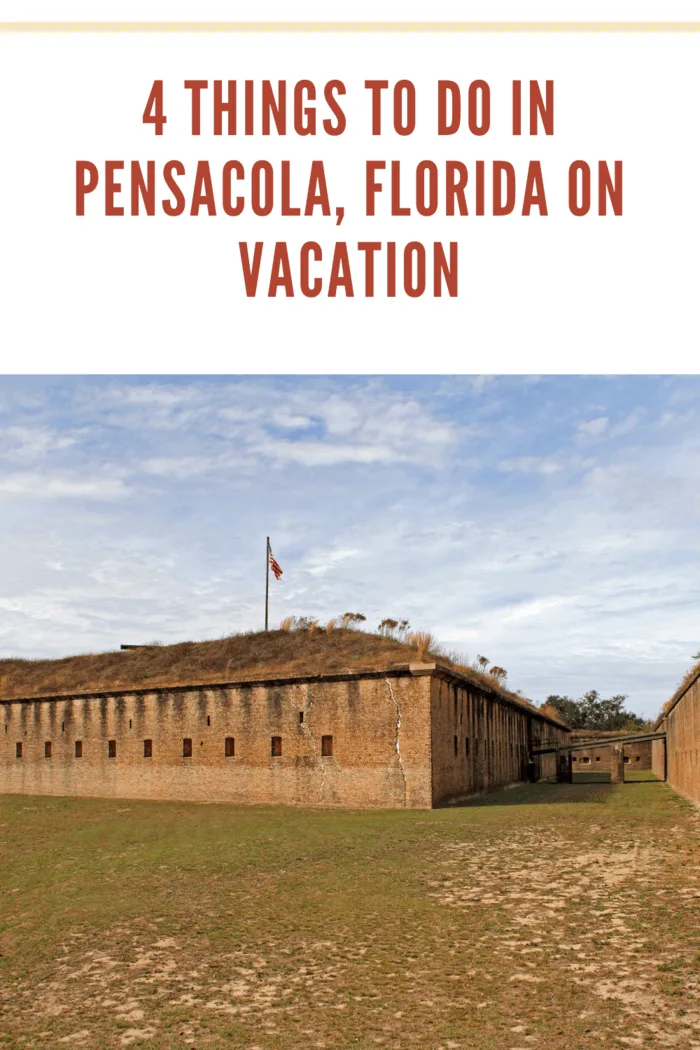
592 711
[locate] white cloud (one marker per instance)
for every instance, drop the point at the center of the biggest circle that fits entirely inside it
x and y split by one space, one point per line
319 454
45 486
321 562
667 419
525 610
182 467
533 465
32 442
592 428
629 424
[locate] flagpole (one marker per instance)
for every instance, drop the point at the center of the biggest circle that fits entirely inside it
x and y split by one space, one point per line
267 578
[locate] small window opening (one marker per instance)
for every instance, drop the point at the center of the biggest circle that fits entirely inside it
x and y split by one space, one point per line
637 758
301 717
585 760
129 723
626 759
276 749
18 749
456 745
111 749
574 759
78 749
5 726
455 705
327 746
187 748
597 758
208 720
148 749
47 749
63 727
229 747
466 747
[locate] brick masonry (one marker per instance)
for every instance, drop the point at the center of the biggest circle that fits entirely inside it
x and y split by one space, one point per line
682 727
598 759
389 741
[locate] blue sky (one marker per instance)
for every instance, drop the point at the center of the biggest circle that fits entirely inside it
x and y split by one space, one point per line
550 523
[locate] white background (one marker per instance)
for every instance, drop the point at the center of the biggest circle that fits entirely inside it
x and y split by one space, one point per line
555 294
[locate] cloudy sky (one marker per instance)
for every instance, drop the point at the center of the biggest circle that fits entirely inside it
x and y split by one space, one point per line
548 523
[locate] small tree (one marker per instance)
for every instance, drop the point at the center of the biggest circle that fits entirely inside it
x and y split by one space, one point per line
387 627
351 620
483 662
499 673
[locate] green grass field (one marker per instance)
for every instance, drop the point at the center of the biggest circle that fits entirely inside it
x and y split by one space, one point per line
632 776
635 776
547 916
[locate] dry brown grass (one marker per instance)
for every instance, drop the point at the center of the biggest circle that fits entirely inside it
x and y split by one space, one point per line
423 642
255 655
251 655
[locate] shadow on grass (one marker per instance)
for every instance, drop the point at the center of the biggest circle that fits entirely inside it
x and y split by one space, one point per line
543 794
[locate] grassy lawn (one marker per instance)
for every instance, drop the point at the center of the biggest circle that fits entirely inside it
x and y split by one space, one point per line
548 916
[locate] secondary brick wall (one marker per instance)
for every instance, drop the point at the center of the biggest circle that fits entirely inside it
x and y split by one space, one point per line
360 713
682 725
480 742
637 756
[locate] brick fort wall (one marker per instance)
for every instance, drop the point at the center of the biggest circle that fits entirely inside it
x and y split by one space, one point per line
135 744
481 741
365 739
682 726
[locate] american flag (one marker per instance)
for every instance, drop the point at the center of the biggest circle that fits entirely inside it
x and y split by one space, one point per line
275 567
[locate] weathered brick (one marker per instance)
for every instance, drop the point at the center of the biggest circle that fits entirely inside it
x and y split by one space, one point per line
392 741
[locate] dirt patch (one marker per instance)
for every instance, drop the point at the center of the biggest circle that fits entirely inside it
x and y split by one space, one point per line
583 913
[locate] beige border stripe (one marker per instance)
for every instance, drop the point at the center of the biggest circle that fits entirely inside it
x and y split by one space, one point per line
349 27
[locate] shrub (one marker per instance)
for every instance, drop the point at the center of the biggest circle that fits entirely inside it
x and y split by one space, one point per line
422 641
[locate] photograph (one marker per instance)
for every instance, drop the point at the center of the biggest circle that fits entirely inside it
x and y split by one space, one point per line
350 711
